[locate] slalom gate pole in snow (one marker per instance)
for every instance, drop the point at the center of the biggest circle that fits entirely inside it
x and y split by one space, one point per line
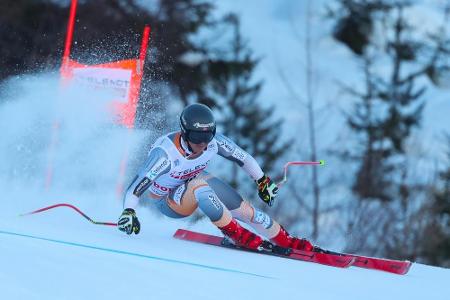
298 163
74 208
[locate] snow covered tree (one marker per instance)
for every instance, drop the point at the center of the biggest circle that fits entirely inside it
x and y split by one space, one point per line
235 93
309 103
395 59
434 246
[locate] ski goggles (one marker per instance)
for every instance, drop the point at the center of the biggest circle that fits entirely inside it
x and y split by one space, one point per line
200 137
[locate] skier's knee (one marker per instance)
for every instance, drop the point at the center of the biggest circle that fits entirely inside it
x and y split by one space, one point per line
229 196
209 203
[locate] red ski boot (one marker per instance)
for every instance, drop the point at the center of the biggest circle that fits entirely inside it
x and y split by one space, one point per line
241 236
283 239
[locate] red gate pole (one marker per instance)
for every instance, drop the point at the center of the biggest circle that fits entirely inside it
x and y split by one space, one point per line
133 103
69 35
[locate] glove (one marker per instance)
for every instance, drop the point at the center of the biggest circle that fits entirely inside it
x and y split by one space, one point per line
128 222
267 190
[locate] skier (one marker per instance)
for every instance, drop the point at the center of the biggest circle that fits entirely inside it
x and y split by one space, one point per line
173 175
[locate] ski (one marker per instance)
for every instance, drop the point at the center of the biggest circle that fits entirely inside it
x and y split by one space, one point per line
400 267
325 257
339 261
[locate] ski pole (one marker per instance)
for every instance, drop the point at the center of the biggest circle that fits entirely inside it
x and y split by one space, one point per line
279 184
70 206
298 163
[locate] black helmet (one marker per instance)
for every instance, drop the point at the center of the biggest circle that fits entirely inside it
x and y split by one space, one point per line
197 124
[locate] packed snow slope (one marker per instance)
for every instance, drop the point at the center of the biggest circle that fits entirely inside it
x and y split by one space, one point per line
57 254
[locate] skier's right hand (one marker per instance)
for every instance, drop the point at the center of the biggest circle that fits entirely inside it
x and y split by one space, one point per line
128 222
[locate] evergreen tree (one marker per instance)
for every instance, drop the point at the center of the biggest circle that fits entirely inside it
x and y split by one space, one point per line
236 93
385 114
435 238
390 106
107 30
31 35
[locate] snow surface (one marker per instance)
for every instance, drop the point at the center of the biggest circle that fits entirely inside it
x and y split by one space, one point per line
59 255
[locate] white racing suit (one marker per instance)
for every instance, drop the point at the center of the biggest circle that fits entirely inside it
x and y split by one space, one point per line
180 185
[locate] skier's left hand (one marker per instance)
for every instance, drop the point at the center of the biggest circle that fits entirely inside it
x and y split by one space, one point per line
267 189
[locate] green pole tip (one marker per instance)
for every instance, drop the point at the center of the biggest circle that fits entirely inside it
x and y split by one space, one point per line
321 162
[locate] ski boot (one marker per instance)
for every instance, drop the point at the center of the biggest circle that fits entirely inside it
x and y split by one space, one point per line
241 236
284 239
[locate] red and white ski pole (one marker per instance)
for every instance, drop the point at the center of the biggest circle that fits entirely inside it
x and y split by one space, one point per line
72 207
298 163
